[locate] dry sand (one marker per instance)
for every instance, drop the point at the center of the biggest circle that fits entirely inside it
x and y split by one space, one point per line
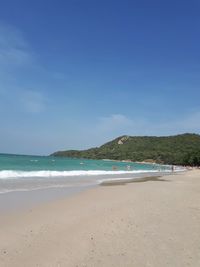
151 223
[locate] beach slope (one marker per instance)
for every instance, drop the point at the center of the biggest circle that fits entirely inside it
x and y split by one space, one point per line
150 223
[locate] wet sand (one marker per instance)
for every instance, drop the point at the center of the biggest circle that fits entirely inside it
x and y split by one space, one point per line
134 180
154 222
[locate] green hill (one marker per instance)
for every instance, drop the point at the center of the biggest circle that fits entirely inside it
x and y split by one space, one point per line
183 149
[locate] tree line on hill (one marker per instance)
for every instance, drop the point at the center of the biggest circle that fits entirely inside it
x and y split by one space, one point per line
183 149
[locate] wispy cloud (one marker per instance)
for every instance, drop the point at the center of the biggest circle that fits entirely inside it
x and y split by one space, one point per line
17 60
33 101
108 127
118 124
187 123
113 122
14 51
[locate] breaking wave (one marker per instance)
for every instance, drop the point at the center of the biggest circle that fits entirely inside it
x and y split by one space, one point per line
6 174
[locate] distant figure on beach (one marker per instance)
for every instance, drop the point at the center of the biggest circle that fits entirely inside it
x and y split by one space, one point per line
172 168
114 168
128 167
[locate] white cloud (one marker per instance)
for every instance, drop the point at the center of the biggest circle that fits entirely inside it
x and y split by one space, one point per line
119 124
33 101
14 51
16 61
116 119
188 123
113 122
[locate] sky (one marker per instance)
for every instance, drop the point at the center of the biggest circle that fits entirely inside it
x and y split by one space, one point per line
75 74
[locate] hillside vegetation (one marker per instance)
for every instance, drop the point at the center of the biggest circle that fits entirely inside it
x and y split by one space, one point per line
181 149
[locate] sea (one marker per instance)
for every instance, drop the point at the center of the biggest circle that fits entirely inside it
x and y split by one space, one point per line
26 173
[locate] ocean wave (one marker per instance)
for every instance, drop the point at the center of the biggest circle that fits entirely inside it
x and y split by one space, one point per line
6 174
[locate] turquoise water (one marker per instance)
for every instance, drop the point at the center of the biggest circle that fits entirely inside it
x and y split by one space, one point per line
39 163
22 173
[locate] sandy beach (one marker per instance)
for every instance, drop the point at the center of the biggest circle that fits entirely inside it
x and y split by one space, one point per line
154 222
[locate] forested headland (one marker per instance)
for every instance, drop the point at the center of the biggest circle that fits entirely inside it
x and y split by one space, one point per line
183 149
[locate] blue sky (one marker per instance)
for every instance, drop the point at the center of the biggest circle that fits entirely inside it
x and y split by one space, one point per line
77 73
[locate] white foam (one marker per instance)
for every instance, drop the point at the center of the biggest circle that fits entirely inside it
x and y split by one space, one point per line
8 174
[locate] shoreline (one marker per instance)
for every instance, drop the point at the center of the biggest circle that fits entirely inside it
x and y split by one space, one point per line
134 180
147 223
21 201
24 199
